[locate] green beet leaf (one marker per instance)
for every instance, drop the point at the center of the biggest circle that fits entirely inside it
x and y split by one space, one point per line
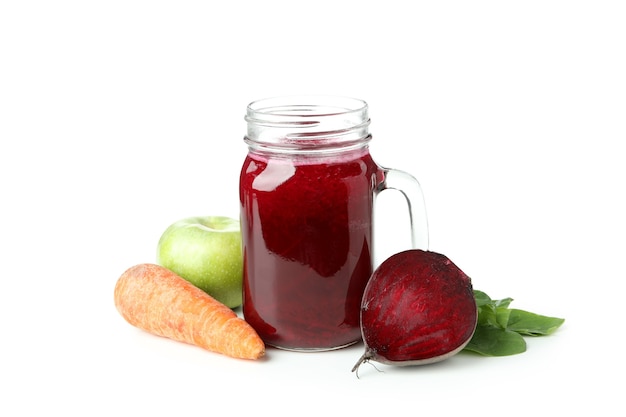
482 298
532 324
494 313
500 329
494 341
503 315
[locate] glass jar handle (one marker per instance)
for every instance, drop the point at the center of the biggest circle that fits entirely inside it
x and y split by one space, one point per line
410 188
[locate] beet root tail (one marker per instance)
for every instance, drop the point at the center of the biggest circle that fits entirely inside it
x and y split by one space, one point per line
365 357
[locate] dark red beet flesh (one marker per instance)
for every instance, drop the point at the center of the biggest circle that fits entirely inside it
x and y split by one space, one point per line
418 308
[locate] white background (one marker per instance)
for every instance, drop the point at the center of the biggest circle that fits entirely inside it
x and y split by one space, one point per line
118 118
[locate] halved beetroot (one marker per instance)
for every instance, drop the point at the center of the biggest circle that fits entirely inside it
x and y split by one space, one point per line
418 308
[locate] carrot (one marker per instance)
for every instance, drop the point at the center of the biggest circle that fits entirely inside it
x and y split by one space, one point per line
157 300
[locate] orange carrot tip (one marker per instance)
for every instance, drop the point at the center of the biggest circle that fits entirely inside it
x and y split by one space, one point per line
155 299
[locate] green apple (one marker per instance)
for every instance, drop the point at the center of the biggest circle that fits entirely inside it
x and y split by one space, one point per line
207 252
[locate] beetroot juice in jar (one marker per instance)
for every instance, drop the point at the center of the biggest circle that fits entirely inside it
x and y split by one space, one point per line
307 192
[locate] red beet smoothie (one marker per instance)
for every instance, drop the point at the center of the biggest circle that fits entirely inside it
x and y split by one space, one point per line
307 232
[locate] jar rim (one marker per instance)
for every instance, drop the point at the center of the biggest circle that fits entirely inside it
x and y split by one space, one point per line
304 106
307 122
